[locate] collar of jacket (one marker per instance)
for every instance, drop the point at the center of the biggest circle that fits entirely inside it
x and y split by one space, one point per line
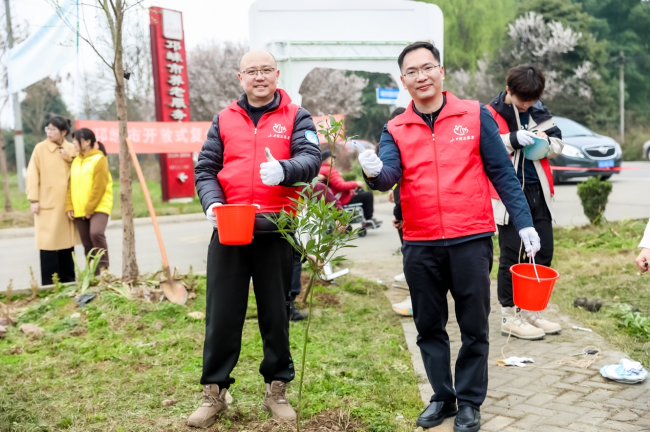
92 152
52 146
538 112
451 108
280 100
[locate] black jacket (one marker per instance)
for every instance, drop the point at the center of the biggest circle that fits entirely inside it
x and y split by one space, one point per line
302 167
538 112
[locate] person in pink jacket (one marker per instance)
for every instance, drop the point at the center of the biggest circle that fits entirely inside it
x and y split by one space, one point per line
345 191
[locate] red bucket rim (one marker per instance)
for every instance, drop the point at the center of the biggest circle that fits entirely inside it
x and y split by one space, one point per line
557 273
236 205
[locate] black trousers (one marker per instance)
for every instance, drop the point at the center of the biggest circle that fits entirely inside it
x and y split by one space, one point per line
268 260
509 242
296 286
464 270
59 262
367 201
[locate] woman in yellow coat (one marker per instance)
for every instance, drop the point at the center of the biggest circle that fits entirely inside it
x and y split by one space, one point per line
90 194
48 174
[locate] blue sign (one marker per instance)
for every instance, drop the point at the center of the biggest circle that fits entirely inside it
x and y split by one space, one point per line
387 96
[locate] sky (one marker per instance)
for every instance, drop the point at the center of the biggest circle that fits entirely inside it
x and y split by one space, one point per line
203 20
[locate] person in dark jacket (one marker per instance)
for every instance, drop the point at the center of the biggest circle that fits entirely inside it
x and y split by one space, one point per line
521 118
257 148
444 152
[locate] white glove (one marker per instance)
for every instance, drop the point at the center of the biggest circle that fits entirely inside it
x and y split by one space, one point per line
525 137
531 240
210 214
271 171
370 163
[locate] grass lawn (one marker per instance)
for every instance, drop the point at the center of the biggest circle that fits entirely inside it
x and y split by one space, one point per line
110 369
598 263
21 216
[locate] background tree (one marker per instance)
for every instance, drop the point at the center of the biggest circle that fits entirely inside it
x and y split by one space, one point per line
326 91
369 124
110 50
473 28
42 101
212 74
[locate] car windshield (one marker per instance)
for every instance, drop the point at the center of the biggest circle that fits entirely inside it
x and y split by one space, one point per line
569 128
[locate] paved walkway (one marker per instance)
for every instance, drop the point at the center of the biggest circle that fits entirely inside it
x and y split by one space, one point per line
563 398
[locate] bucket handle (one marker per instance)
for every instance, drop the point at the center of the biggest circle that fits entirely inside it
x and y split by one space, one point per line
535 267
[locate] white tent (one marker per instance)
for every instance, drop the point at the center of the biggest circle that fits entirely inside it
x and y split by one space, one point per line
363 35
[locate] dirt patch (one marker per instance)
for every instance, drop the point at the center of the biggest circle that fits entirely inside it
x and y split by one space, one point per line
339 421
327 299
141 367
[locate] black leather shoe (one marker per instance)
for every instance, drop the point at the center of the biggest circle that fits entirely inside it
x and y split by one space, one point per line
468 419
436 413
295 314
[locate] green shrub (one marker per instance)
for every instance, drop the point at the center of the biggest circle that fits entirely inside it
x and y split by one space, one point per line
593 195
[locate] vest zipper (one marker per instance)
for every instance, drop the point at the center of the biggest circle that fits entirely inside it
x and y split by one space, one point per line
435 148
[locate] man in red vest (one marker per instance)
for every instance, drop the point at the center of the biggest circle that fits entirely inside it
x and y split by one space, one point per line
257 148
521 117
444 152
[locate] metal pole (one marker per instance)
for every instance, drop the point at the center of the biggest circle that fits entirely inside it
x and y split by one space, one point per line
621 66
19 141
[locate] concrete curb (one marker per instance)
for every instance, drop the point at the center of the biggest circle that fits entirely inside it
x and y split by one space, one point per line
29 232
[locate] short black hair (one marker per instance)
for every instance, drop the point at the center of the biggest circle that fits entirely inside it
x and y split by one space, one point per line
62 124
418 45
396 112
526 81
325 155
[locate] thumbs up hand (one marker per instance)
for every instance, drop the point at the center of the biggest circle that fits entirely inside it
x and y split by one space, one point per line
271 171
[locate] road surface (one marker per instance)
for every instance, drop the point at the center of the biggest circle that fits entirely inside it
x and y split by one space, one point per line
187 242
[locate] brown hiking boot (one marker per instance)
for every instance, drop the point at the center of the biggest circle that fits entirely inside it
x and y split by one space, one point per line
275 401
214 402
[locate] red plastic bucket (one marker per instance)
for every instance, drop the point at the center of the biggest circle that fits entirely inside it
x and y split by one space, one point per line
529 294
235 223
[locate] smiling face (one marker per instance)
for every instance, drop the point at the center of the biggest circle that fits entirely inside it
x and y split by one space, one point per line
259 87
426 82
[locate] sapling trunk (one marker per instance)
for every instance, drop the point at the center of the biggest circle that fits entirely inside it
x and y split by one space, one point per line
309 299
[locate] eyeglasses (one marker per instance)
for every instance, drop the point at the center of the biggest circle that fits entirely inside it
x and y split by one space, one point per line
427 70
50 129
253 72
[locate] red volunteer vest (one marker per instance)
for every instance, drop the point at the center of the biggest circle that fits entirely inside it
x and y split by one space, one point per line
444 191
504 129
243 153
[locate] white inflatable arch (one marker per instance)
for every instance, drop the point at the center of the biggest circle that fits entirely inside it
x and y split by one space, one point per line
362 35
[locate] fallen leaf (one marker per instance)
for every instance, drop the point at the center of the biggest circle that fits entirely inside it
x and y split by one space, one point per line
76 315
196 315
159 325
168 402
31 330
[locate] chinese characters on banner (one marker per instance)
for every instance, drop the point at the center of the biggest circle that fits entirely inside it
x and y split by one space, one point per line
169 65
172 101
151 137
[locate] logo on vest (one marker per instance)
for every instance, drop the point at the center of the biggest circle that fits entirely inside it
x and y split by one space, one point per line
279 132
460 130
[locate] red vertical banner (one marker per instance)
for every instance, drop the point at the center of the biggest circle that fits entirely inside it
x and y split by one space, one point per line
172 93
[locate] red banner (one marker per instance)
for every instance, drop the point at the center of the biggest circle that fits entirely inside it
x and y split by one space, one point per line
151 137
169 65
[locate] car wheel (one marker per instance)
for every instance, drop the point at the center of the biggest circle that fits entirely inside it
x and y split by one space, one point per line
648 155
605 177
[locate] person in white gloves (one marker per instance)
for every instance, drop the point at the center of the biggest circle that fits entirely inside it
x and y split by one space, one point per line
522 117
256 149
643 260
444 152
